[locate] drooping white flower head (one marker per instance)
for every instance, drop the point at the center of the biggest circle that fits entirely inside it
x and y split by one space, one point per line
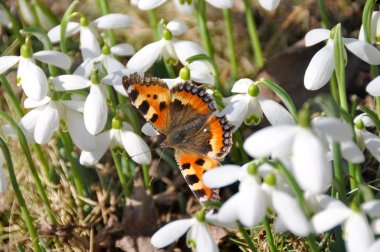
106 60
186 6
375 28
89 44
307 152
269 5
358 234
171 49
47 115
95 109
121 135
321 66
248 105
366 139
197 237
30 76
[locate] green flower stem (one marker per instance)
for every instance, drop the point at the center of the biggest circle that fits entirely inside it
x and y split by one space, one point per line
324 16
239 140
339 186
37 180
352 171
246 237
20 199
340 72
272 246
253 36
122 177
15 104
231 44
65 20
146 177
154 24
79 181
170 70
104 8
334 89
312 243
202 24
15 22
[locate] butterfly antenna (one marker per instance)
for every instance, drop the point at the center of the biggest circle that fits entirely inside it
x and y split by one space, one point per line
129 157
155 168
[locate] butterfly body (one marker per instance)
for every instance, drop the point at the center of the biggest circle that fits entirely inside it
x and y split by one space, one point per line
185 116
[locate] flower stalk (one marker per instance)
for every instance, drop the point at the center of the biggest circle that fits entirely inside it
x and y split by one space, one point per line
120 173
231 44
268 230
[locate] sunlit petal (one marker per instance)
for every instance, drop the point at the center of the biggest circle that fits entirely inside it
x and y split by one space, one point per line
222 176
146 56
95 110
70 82
170 233
54 58
89 158
316 35
55 33
112 21
136 147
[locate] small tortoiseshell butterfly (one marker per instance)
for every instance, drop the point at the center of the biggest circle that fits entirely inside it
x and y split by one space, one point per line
184 115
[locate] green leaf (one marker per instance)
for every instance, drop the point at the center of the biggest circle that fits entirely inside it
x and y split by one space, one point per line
284 96
328 105
339 62
366 19
199 57
64 22
40 34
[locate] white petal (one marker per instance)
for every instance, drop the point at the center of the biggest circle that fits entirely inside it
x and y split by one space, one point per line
7 62
112 21
150 4
242 86
203 77
185 49
363 50
95 110
89 44
103 141
223 4
372 142
365 119
329 218
78 131
334 128
70 82
185 7
373 88
372 208
352 153
177 27
148 130
111 64
358 234
316 35
374 20
123 49
204 241
266 141
55 33
290 213
311 168
275 113
47 123
375 247
30 103
172 82
54 58
170 233
376 226
116 77
33 79
121 90
237 110
222 176
145 57
74 105
252 203
86 67
279 226
228 213
320 68
136 147
269 5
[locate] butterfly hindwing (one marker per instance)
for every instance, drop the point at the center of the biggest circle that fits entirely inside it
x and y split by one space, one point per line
193 166
151 96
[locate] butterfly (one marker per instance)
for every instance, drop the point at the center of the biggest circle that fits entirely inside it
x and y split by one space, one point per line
185 116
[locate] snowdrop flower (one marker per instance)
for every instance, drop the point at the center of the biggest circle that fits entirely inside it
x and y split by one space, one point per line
269 5
89 44
30 76
187 74
321 66
375 29
366 139
106 60
373 88
246 105
170 48
186 6
197 237
51 113
308 154
115 78
95 109
121 135
358 234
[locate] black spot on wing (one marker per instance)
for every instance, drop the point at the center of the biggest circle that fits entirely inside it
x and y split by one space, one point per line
144 107
199 193
133 95
186 166
200 161
154 118
162 105
192 179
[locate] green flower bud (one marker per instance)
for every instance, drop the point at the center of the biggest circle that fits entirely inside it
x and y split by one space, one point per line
270 179
253 90
54 96
84 21
200 215
95 77
184 73
359 124
116 123
26 50
252 169
304 118
167 34
106 50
